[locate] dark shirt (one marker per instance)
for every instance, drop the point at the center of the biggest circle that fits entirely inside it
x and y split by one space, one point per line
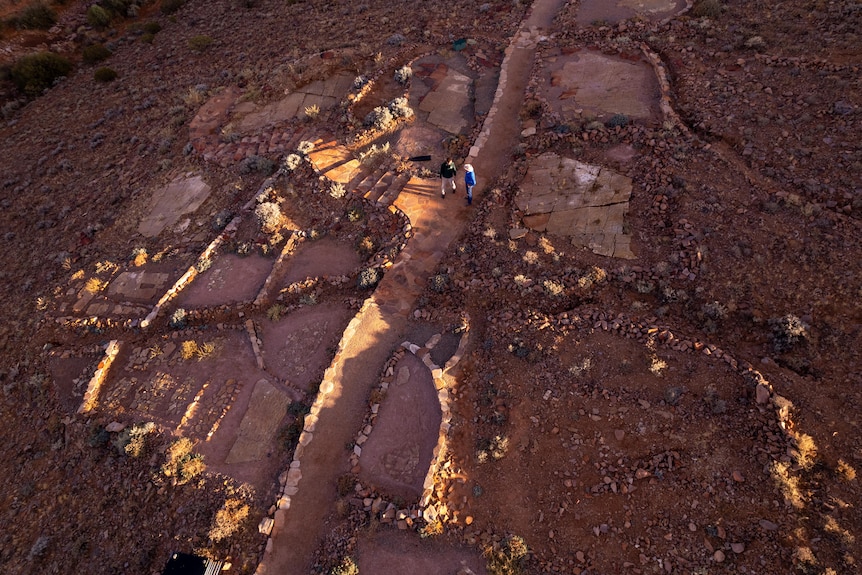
448 170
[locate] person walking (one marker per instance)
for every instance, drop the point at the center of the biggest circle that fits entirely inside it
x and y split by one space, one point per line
469 181
447 172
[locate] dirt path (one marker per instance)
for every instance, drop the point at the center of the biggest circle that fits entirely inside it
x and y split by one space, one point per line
378 328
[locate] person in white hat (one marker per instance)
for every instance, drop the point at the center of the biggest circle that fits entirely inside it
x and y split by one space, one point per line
469 181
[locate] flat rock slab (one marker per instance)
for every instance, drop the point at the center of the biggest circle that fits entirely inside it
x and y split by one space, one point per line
168 204
324 94
230 279
336 163
448 104
388 551
591 11
266 409
138 285
588 203
295 348
213 113
398 452
602 85
324 257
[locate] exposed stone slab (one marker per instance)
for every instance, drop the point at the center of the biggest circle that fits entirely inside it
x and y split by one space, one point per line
266 409
182 196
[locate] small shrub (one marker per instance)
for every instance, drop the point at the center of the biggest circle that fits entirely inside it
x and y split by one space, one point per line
188 349
787 332
305 147
292 162
152 27
37 16
132 441
380 118
354 214
98 17
148 38
228 519
312 111
706 8
258 164
369 278
400 108
95 285
36 72
275 312
506 558
200 42
105 74
171 6
359 82
269 216
181 463
221 220
366 245
337 190
620 120
178 319
373 155
403 74
440 283
347 566
95 53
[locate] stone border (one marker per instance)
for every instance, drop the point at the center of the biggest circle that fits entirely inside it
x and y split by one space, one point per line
91 396
289 479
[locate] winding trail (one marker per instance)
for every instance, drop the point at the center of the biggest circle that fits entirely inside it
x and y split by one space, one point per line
379 327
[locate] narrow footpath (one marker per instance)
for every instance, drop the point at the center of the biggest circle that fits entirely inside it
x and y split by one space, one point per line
380 326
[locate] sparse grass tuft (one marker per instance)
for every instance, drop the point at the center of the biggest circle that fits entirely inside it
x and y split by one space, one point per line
312 111
507 557
347 566
95 285
275 312
807 450
845 471
181 462
228 519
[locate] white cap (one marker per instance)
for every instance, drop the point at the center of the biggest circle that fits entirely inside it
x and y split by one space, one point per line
468 167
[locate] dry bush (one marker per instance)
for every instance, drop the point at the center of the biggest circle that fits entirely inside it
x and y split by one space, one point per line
188 349
845 471
181 463
228 519
95 285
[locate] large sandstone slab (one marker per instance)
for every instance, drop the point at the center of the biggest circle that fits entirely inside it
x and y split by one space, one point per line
266 409
182 196
588 203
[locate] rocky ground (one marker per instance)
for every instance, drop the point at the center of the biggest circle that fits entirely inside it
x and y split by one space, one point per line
592 421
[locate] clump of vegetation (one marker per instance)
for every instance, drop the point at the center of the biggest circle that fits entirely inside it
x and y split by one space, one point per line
582 367
312 111
400 108
95 285
95 53
494 448
553 288
354 214
618 120
181 462
200 42
347 566
105 74
787 332
507 557
132 441
34 73
403 74
36 16
292 162
178 319
373 155
98 17
305 147
369 278
440 283
152 27
845 470
275 312
337 190
269 217
706 8
380 118
190 349
171 6
228 519
366 245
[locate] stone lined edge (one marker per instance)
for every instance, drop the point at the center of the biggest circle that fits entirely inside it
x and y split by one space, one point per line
91 396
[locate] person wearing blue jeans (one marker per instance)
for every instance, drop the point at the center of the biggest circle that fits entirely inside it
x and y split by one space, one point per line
469 181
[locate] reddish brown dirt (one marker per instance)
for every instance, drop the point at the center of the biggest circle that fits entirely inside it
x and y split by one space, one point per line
219 286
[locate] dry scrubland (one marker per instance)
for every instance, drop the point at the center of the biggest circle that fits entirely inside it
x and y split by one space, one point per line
605 420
